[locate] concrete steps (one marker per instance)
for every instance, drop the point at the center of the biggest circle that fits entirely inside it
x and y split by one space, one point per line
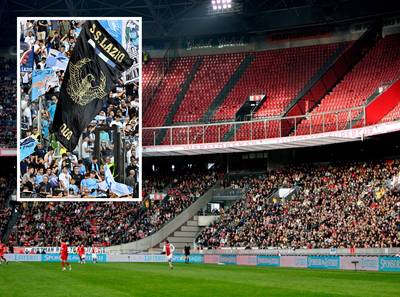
179 246
185 234
192 223
190 228
180 239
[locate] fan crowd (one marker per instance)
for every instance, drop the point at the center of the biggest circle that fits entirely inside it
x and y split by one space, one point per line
51 171
342 206
8 105
44 224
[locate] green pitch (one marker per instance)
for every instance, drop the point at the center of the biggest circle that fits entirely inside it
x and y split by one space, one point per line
131 280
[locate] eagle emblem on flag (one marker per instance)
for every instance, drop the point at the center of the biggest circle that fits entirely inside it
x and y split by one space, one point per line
82 89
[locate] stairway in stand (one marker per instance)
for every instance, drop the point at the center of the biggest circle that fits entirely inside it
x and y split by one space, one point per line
185 234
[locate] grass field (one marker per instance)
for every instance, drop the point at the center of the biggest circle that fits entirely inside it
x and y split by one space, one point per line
128 279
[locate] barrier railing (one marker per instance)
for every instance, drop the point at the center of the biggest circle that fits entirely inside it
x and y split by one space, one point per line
259 128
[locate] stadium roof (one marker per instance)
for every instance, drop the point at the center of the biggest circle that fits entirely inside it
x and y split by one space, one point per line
169 19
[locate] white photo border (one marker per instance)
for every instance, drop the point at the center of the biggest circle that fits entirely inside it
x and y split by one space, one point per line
18 196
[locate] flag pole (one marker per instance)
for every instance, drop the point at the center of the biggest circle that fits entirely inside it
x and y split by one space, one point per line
40 119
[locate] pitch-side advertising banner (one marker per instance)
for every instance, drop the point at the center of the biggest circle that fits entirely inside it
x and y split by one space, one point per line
372 263
323 262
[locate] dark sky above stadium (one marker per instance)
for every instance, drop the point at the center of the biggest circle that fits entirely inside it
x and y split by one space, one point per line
166 19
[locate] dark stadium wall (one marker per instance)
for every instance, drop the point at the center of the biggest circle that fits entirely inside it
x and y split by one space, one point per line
321 34
253 42
8 52
8 166
379 147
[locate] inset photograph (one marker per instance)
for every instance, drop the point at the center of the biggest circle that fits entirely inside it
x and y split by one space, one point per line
79 109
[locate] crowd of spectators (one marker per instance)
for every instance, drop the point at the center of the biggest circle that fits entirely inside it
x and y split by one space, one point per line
43 224
7 184
339 205
51 171
8 105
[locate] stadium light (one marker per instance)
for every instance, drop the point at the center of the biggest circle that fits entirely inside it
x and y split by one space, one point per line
223 6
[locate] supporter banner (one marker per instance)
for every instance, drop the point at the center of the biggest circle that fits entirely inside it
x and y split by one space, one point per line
94 68
389 263
294 261
323 262
114 28
246 260
117 188
27 146
27 61
56 60
131 43
42 81
268 261
364 263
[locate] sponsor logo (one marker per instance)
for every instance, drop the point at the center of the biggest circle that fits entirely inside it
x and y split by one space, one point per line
268 260
323 262
389 264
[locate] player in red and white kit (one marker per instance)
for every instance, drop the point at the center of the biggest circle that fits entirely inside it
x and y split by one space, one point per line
95 251
64 256
82 254
169 252
2 251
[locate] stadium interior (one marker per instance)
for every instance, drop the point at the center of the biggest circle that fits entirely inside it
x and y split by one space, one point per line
274 125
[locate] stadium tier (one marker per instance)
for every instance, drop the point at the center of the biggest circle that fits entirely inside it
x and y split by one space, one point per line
334 205
212 89
151 75
8 105
379 68
392 115
43 224
212 75
150 72
5 213
168 90
340 205
280 74
7 186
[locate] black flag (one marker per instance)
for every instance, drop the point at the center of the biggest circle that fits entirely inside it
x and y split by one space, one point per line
94 68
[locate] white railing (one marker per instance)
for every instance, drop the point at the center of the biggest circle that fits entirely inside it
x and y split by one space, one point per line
258 128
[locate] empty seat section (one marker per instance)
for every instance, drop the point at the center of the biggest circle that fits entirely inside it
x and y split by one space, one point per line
210 78
150 72
380 66
281 74
393 115
170 86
